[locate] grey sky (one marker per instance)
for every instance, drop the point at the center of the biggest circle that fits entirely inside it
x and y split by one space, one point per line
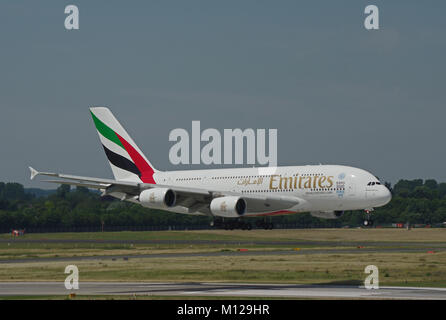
337 93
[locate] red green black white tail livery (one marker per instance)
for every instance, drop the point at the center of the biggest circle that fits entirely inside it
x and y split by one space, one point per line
125 158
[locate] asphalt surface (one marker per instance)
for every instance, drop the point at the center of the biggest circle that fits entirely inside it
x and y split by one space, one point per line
219 290
234 242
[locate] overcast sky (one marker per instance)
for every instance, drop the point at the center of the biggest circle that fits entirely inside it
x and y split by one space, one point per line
336 92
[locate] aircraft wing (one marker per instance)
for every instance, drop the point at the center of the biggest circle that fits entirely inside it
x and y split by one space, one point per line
195 199
185 196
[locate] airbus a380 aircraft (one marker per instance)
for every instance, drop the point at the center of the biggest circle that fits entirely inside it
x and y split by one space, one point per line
326 191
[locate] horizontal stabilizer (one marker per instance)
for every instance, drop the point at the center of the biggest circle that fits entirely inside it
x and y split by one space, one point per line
34 173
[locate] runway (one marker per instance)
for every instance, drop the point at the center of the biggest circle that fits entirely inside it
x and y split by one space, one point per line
235 242
206 289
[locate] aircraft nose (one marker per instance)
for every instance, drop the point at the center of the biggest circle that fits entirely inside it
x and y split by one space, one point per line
384 195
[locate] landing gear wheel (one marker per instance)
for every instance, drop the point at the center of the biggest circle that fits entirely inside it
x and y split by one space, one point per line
368 222
268 226
244 225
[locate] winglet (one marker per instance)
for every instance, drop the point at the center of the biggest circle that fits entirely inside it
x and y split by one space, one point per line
34 172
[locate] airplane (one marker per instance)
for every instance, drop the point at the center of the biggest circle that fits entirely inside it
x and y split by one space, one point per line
227 195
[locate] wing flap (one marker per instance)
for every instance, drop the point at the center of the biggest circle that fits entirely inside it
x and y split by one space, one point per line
79 184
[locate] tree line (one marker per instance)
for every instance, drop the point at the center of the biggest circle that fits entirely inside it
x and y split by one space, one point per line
415 201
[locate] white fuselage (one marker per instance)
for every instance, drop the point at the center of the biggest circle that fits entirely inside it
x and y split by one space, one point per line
322 187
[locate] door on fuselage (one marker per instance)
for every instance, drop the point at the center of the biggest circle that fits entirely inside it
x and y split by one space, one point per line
350 188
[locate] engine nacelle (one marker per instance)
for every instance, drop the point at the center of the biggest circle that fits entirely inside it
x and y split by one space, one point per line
228 207
327 214
158 198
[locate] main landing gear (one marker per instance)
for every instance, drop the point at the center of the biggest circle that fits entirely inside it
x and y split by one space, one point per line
232 224
238 225
368 221
265 225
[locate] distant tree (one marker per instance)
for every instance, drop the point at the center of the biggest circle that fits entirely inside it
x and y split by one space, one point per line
442 190
431 184
412 201
13 191
4 205
403 187
63 190
82 190
424 192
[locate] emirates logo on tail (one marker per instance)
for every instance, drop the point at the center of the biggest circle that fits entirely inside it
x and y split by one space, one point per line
126 159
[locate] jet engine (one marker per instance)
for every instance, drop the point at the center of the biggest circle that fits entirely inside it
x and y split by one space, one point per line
158 198
228 207
327 214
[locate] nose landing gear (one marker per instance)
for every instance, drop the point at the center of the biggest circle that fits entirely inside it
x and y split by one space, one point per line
368 221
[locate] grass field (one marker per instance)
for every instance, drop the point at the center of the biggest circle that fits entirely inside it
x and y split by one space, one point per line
369 235
420 268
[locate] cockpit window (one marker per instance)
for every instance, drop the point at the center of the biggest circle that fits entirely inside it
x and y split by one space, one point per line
373 183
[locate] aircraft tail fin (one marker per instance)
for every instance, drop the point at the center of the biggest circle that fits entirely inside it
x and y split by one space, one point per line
126 160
